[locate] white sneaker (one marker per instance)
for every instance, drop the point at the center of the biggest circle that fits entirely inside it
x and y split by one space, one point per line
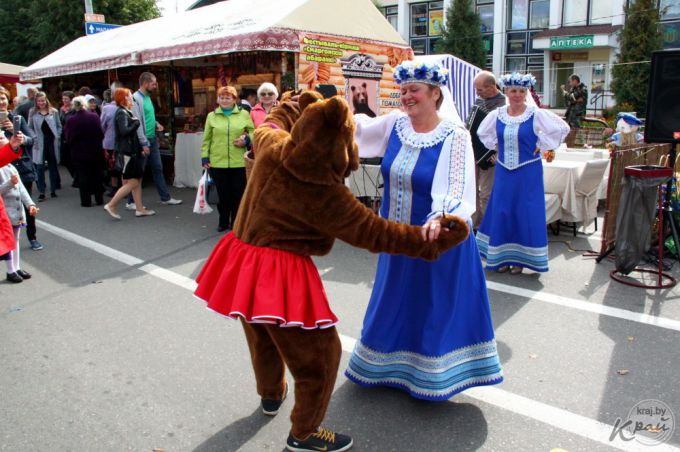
131 206
144 213
172 202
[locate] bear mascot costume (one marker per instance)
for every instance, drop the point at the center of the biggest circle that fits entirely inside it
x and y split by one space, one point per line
295 205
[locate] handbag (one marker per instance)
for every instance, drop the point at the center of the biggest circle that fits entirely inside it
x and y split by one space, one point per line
211 190
118 162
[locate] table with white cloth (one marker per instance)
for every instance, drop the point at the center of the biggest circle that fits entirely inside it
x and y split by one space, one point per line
188 168
583 155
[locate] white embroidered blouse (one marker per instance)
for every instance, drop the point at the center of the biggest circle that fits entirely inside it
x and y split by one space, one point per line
453 186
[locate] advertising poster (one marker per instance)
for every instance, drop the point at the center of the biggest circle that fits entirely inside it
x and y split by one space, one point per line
360 71
436 21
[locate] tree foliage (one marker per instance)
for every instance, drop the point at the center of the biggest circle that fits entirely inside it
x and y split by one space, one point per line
462 35
638 39
32 29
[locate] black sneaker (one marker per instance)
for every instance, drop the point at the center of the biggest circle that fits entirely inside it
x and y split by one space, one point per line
270 407
14 277
323 440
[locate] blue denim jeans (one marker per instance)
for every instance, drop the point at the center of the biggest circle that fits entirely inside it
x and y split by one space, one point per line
154 159
55 179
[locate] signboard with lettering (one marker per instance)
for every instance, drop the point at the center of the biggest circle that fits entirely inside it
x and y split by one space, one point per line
94 28
360 70
571 42
91 17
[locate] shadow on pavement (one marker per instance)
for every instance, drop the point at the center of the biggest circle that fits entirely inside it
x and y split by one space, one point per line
232 437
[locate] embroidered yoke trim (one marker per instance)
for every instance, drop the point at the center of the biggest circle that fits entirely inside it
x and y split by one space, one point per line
401 190
410 137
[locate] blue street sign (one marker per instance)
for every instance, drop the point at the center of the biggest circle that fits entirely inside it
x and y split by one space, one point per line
93 28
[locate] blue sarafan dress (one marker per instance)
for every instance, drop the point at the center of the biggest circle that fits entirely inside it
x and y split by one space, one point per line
513 231
428 326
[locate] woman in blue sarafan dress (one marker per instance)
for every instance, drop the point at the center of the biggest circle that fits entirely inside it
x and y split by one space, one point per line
428 328
513 233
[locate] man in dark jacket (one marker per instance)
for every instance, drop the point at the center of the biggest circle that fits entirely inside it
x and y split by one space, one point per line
24 164
576 99
25 108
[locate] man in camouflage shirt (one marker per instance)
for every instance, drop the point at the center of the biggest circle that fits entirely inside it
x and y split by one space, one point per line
576 99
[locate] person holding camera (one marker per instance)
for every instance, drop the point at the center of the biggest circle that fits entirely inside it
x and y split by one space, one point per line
128 146
9 123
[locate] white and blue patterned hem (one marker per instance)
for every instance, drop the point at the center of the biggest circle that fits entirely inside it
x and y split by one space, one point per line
534 258
427 377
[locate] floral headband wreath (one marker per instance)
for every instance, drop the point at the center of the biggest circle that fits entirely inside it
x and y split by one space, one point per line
412 72
517 80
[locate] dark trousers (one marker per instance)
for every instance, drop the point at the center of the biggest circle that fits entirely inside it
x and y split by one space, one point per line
55 179
230 184
30 220
312 356
90 175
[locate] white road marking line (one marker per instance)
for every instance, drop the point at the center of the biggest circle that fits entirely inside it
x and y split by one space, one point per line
564 420
638 317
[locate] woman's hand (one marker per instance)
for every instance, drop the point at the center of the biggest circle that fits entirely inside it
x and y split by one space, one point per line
240 142
430 230
146 150
16 140
7 125
33 211
14 179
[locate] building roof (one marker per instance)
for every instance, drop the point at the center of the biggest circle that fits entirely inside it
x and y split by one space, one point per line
229 26
580 30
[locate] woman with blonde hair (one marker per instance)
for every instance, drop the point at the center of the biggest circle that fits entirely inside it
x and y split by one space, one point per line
267 95
128 146
228 130
45 124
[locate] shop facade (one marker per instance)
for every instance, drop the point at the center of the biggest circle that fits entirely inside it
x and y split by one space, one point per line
552 39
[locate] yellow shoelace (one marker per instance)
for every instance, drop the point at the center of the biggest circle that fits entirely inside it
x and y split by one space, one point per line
325 435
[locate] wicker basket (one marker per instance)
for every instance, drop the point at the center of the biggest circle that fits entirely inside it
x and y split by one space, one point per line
249 158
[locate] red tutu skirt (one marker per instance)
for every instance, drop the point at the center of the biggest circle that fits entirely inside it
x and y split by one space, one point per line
264 285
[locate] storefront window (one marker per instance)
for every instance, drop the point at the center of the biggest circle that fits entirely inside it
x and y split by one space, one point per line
540 14
486 16
488 43
531 43
519 10
537 71
515 64
575 12
671 34
598 78
600 12
419 19
670 9
419 46
517 43
433 44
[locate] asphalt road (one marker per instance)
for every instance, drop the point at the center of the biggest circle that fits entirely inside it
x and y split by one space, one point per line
106 349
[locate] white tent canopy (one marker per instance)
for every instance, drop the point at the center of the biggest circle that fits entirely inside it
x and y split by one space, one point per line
229 26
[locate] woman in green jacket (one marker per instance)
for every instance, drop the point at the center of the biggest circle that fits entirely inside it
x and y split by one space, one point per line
227 131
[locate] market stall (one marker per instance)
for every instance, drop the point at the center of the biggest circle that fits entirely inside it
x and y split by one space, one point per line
242 43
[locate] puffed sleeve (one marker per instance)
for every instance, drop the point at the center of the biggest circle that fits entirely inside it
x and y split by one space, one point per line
550 129
487 130
453 187
372 134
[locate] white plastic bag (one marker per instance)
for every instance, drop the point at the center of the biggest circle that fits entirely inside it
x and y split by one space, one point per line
201 206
